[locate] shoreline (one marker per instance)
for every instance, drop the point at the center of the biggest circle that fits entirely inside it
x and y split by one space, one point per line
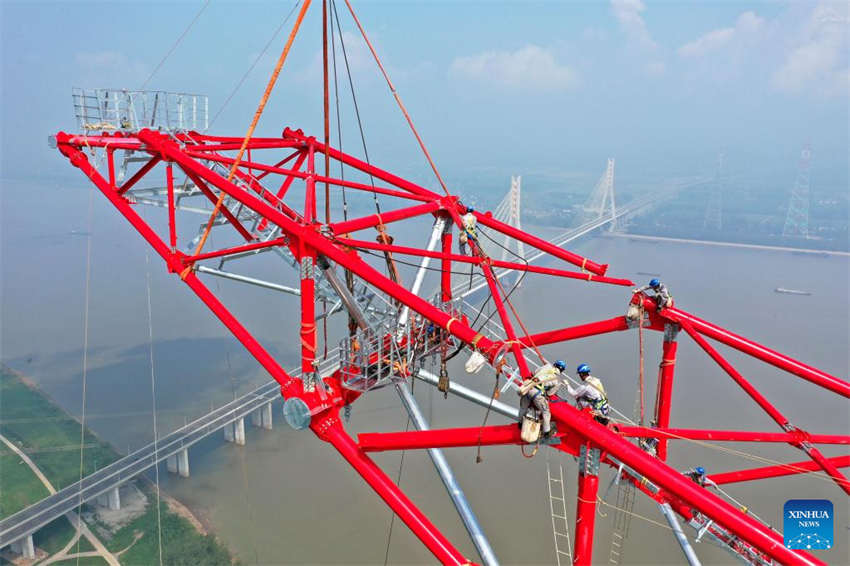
806 251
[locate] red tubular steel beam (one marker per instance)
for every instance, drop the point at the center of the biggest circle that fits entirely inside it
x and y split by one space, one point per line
346 227
172 223
541 244
828 467
290 178
760 399
324 246
114 143
405 250
588 488
318 178
284 187
395 498
615 324
224 210
253 143
724 514
138 175
446 275
813 452
664 390
79 159
403 507
363 166
439 438
779 470
516 349
730 435
110 161
237 249
280 163
757 350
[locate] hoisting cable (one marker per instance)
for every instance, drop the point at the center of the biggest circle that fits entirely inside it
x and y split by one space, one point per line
254 64
250 133
641 370
176 43
397 99
153 404
398 483
354 101
383 237
349 275
86 301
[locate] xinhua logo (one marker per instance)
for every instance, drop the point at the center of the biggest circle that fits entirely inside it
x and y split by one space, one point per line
808 524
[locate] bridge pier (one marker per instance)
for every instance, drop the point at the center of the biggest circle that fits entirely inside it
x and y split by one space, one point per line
235 431
24 547
179 463
262 417
111 499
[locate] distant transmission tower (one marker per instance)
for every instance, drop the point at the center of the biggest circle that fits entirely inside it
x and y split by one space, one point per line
601 199
797 220
714 210
509 211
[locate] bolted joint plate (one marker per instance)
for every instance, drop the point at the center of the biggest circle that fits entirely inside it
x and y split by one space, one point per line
588 460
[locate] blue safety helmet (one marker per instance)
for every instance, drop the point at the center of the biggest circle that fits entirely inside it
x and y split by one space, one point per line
583 368
700 470
469 209
560 365
654 283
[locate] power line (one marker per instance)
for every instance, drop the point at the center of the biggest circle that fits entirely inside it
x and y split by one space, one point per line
176 43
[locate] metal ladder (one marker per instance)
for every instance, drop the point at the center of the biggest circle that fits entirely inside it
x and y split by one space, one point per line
622 519
558 511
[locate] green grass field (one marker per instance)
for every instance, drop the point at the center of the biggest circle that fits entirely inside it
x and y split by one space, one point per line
38 426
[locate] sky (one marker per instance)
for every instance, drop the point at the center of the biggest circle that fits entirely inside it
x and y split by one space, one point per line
506 87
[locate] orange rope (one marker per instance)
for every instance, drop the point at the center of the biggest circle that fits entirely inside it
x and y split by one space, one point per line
257 114
397 99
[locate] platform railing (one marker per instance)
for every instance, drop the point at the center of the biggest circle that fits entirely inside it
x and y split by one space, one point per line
104 109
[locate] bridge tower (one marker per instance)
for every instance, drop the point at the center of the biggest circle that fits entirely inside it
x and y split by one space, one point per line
797 219
601 200
509 212
714 211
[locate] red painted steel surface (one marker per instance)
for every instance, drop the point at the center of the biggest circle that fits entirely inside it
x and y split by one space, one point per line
307 237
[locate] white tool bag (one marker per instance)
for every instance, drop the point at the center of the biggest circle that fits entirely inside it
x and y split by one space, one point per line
530 429
475 362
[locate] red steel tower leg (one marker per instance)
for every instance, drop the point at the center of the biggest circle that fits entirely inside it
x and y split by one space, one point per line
588 486
446 275
308 318
665 384
438 544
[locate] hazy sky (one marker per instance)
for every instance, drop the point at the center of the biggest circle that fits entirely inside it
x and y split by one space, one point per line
663 86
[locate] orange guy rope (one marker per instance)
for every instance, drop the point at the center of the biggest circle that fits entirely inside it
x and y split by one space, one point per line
397 98
257 114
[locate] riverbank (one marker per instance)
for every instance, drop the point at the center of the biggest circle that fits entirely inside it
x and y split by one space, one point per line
803 251
43 451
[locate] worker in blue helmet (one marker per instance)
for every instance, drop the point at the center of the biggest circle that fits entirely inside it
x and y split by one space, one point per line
698 476
590 394
663 298
468 222
536 390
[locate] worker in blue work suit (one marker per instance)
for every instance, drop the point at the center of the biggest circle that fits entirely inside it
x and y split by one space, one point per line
698 476
590 394
663 298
